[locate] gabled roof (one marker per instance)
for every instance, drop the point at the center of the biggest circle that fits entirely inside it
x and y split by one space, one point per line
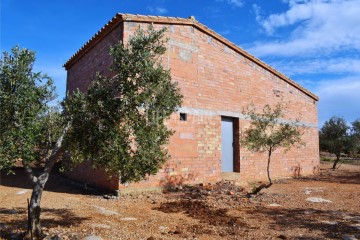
120 18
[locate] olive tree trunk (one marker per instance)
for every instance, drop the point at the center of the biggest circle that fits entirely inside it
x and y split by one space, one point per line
268 168
34 210
336 161
38 188
39 184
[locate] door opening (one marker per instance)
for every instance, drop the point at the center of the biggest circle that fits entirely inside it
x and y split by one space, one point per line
227 144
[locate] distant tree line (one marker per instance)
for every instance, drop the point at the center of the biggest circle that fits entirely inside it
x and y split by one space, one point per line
337 137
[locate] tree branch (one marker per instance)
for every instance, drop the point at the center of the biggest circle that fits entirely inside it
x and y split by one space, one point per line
29 172
55 153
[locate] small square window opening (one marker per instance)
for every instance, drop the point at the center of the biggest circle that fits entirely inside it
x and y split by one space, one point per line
183 116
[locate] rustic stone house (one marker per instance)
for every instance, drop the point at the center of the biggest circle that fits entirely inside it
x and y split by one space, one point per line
218 80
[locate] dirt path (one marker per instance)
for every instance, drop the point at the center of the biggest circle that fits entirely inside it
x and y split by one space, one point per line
221 211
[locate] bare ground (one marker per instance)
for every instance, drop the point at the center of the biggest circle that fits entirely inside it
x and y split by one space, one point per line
219 211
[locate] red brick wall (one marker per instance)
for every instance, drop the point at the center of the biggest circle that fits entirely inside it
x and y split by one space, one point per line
215 81
96 59
195 153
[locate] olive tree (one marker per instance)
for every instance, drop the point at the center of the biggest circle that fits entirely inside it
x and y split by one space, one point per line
24 105
335 137
118 125
355 136
268 132
356 127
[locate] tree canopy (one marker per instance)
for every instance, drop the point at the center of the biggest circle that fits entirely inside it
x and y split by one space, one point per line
24 98
356 127
355 133
335 137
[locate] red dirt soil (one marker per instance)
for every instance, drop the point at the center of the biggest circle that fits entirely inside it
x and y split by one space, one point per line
219 211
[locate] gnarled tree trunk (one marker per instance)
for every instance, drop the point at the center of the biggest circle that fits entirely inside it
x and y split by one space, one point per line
39 184
34 209
38 188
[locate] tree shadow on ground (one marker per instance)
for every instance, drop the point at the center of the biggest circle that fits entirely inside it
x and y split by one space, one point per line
328 224
340 176
200 202
57 183
211 221
231 213
50 218
302 222
337 176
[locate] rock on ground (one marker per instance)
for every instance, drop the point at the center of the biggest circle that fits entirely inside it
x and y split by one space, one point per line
99 225
92 237
318 200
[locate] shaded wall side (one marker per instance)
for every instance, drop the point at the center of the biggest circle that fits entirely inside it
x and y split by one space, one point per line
94 177
80 75
96 59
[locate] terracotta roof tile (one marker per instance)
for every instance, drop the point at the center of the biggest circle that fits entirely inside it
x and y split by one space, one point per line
119 18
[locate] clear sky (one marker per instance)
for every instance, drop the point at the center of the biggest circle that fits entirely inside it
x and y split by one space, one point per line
314 42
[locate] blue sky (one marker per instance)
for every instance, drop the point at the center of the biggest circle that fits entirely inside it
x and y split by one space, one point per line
314 42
